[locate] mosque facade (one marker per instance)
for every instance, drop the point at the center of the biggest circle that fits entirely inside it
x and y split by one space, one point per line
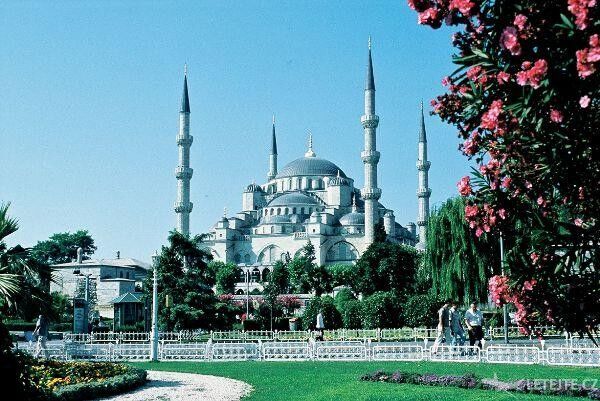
309 199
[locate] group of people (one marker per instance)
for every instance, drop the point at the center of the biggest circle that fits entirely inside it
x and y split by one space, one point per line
450 329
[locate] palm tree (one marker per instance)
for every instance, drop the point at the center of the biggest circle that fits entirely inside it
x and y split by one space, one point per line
22 278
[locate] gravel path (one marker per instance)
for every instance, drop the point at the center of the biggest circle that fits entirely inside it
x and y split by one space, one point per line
171 386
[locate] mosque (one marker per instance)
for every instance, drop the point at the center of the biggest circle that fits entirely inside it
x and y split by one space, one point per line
309 199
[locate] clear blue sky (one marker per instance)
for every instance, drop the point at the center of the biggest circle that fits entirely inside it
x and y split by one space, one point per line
91 91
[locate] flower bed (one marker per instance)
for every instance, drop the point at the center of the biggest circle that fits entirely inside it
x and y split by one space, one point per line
470 381
66 381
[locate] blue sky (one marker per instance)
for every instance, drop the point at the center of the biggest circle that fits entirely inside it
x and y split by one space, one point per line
91 90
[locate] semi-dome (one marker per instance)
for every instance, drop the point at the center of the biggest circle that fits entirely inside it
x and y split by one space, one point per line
253 188
293 198
310 166
353 219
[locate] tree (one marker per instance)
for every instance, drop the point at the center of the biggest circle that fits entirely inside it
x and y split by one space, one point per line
385 266
22 278
305 275
62 247
331 316
194 305
421 310
458 263
381 310
226 276
525 99
341 274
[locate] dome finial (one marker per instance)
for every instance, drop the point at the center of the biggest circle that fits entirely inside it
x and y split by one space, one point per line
369 42
354 207
310 152
225 212
185 69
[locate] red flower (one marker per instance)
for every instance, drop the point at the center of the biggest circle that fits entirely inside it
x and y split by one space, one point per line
584 67
471 211
464 6
464 186
489 120
474 72
556 116
430 17
502 77
509 40
532 74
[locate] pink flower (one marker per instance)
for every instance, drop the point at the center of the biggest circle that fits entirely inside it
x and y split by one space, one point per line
506 182
532 74
489 120
502 77
520 21
584 67
430 17
464 186
478 232
556 116
534 257
464 6
584 101
473 72
446 81
502 213
579 8
528 285
471 211
540 201
509 40
578 222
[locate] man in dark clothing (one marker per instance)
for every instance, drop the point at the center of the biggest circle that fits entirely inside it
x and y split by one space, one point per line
41 330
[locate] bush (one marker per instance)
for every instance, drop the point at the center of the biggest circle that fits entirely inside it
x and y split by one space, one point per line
331 316
421 310
381 310
250 324
352 314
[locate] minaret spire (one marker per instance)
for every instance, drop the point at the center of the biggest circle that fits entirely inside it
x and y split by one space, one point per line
370 156
183 172
423 191
273 155
310 152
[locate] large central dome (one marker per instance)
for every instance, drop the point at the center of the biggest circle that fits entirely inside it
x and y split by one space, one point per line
310 166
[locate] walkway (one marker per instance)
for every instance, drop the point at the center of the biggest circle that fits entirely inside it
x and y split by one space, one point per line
171 386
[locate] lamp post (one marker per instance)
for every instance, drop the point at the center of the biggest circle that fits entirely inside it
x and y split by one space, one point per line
505 308
247 279
154 332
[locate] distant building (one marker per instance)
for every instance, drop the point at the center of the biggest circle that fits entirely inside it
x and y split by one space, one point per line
109 279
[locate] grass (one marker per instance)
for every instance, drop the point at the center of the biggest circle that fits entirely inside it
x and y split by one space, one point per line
324 381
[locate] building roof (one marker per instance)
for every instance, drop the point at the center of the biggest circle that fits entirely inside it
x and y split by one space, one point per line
128 298
353 219
310 166
120 262
293 198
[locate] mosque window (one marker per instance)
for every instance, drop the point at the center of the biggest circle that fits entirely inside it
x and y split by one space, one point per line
309 183
239 292
293 210
241 277
302 210
255 275
342 252
286 211
278 211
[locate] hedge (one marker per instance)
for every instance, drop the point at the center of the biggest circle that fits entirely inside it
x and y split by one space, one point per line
131 380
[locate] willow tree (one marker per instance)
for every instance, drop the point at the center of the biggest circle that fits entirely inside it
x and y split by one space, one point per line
457 263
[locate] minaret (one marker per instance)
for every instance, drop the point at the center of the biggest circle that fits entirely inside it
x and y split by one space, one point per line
183 172
423 192
370 156
273 155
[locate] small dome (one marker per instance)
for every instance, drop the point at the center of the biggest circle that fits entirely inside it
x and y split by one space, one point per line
293 198
353 219
253 188
310 166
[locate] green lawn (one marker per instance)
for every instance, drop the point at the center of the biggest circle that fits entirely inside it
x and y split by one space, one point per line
320 381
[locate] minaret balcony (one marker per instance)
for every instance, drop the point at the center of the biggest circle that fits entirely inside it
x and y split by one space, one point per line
421 222
183 173
424 193
181 207
184 140
423 165
370 156
370 193
369 120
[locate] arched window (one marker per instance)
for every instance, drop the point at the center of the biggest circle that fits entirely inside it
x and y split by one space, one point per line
265 274
278 211
342 252
241 277
239 292
255 278
269 255
293 210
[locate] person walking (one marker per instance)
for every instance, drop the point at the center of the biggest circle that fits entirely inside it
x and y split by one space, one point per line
456 327
443 328
41 331
474 322
320 326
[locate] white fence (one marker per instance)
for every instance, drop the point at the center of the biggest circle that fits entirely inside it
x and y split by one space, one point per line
339 350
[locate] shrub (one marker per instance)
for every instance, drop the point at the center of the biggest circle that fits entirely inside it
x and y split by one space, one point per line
352 314
381 310
331 316
421 310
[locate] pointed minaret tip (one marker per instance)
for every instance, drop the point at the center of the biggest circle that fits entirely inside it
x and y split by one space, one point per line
273 118
273 139
185 99
370 81
422 132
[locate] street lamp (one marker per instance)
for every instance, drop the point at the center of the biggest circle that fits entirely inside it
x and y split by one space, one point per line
154 332
505 308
